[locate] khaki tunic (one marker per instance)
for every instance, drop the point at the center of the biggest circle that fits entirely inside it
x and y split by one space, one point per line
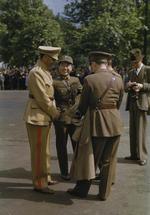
104 122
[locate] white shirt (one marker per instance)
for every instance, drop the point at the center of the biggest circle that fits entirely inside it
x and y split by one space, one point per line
139 69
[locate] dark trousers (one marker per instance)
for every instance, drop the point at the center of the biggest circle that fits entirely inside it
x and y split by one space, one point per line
104 149
138 127
62 131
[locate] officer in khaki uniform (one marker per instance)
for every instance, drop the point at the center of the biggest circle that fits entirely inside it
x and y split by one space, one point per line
67 90
138 104
39 114
102 94
111 69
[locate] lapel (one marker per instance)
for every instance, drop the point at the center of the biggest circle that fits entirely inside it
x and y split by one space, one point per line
141 75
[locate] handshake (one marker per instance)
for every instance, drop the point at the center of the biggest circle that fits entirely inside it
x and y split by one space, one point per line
134 86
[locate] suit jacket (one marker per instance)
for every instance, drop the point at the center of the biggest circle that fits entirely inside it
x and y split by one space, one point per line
104 122
143 97
40 108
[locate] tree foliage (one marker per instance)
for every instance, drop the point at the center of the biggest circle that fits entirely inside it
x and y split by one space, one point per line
24 25
109 25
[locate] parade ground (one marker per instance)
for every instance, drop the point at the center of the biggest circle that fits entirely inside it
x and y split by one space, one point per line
130 195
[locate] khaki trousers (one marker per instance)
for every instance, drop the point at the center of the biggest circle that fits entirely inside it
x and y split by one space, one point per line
39 140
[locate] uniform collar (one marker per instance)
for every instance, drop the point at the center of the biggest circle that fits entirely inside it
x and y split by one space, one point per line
42 65
66 78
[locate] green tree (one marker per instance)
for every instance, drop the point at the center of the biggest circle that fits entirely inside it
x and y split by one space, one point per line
28 24
109 25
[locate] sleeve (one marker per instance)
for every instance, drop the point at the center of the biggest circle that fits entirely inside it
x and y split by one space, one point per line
84 99
146 84
120 95
127 79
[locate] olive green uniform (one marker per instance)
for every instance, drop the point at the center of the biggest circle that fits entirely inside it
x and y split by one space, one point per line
66 93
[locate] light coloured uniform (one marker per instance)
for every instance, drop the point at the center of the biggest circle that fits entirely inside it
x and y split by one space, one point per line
39 113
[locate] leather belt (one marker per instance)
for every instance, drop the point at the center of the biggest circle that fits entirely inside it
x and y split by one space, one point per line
106 106
32 97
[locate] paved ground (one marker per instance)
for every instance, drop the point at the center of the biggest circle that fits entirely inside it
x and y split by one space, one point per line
130 195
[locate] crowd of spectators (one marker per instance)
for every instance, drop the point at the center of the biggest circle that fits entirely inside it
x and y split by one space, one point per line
13 79
16 79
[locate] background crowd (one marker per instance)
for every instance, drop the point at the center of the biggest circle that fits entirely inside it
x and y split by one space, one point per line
16 79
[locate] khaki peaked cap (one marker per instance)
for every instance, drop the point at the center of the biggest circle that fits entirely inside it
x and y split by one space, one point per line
136 55
66 58
51 51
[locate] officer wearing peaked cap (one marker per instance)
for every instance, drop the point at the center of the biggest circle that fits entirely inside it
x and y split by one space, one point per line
39 113
111 70
67 90
50 51
101 97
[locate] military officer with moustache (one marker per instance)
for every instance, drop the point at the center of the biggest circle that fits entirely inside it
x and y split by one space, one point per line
102 95
67 90
39 114
138 104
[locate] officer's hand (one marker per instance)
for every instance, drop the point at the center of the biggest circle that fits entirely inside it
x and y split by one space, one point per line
56 115
130 84
138 87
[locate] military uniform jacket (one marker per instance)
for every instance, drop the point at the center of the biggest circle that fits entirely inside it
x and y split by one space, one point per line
104 122
143 97
41 108
67 94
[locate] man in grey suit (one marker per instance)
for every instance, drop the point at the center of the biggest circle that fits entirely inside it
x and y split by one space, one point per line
102 94
138 88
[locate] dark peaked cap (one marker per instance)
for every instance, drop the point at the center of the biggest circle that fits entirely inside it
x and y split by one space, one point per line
99 56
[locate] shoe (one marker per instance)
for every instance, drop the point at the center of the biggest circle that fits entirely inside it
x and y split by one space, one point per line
101 198
45 190
97 178
75 192
65 177
52 182
142 162
130 158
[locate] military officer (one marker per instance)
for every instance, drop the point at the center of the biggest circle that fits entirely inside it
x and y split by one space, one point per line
102 94
67 90
138 88
39 114
111 69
